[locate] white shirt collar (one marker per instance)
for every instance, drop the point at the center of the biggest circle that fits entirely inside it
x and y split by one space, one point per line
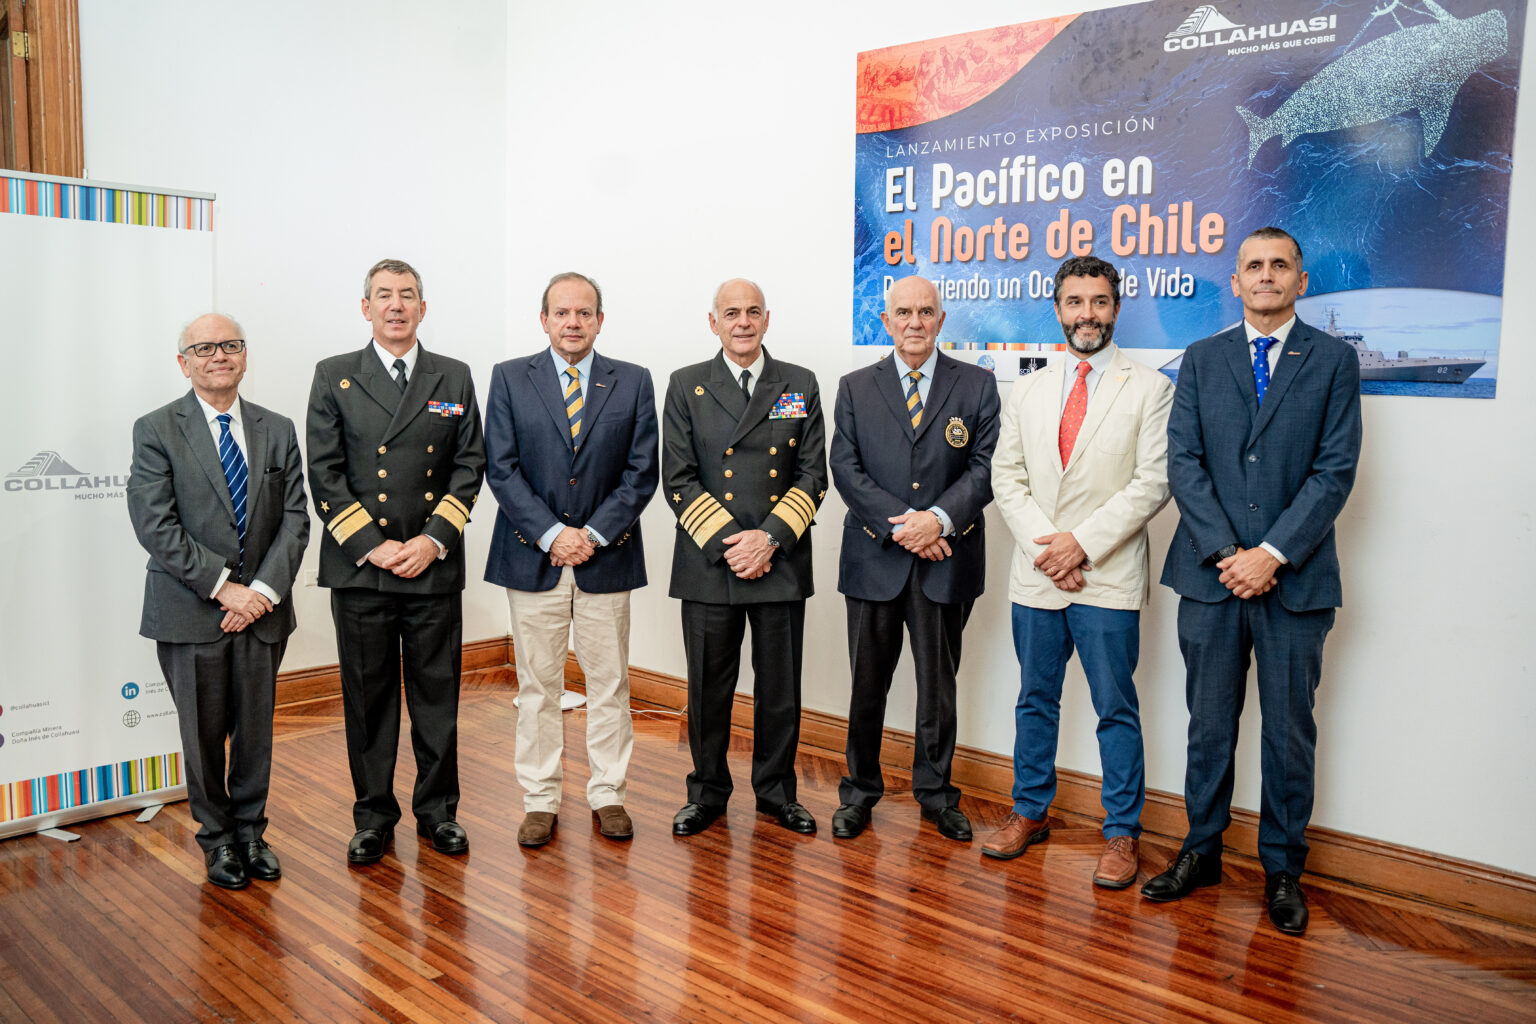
389 360
211 415
1281 333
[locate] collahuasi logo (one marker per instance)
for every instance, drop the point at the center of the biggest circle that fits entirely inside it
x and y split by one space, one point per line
1206 26
47 471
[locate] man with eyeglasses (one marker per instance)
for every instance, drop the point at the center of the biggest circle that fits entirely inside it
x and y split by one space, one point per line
912 457
216 496
396 458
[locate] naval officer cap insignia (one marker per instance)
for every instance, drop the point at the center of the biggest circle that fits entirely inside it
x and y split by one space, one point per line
698 389
344 384
955 432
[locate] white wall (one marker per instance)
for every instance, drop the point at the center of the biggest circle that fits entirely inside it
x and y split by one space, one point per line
698 141
335 134
663 147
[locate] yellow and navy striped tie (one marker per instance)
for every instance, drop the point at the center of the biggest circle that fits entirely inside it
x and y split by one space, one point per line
573 402
914 403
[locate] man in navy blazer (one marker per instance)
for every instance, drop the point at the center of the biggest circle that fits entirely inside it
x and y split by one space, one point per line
224 548
571 440
912 457
1263 442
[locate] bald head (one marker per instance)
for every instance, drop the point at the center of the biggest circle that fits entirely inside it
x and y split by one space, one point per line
740 320
217 323
913 316
215 374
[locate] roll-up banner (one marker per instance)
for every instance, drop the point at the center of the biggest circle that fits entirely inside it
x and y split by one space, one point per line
98 281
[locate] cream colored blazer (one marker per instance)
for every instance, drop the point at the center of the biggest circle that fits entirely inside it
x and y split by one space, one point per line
1116 481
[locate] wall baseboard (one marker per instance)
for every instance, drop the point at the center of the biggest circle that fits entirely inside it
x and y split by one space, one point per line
1386 867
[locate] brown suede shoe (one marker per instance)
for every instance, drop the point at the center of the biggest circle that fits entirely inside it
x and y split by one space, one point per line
1015 837
538 828
1118 863
613 822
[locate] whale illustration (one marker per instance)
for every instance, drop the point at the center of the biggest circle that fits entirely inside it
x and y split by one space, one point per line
1418 68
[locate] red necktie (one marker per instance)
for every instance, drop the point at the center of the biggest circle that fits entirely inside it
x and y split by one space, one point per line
1072 415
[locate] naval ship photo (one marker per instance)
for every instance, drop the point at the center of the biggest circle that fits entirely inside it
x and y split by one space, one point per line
1376 365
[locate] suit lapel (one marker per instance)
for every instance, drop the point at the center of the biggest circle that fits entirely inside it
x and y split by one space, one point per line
1241 364
890 378
599 387
376 384
1110 383
1298 345
545 384
418 389
1043 413
765 393
194 429
943 383
726 388
255 458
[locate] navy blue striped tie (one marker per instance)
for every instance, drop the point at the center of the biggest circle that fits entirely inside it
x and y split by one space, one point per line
235 475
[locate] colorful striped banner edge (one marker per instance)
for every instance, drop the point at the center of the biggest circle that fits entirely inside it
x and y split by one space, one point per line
103 205
26 798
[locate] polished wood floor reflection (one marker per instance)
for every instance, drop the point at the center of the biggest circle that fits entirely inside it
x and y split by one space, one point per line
744 923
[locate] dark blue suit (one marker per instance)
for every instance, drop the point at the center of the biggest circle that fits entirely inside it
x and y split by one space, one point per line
882 467
540 480
1245 474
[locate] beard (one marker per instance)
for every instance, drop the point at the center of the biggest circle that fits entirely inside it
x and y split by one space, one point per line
1106 332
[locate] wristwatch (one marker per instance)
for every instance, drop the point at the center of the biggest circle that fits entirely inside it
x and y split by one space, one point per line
773 541
592 537
1226 552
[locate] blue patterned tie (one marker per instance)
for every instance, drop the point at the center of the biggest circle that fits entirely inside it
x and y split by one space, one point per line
1261 365
234 475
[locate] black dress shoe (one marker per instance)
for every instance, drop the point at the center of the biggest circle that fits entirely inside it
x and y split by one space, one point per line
259 861
446 836
1189 872
952 822
791 815
369 845
695 818
849 820
1287 903
225 869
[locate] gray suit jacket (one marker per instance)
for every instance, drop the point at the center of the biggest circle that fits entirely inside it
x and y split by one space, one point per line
179 503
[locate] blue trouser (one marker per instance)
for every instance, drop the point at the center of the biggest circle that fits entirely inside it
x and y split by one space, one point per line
1108 641
1217 640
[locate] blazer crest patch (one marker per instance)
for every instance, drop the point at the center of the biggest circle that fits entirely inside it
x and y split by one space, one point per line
956 433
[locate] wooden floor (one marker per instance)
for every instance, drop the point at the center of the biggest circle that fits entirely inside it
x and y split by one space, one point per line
746 922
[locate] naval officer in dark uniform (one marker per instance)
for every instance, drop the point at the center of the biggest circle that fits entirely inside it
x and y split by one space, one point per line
743 467
396 457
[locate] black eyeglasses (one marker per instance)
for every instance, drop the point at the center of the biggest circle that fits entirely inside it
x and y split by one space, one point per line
204 349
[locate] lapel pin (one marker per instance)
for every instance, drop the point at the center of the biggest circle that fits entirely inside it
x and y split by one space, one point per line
344 384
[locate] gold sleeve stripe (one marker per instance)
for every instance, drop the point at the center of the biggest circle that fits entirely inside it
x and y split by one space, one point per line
453 510
716 522
797 509
703 518
697 509
348 521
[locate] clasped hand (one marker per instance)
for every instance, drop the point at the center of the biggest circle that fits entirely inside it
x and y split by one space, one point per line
407 560
748 553
922 533
1249 573
241 606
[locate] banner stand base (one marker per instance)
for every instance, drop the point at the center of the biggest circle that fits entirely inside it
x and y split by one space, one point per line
148 813
59 834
